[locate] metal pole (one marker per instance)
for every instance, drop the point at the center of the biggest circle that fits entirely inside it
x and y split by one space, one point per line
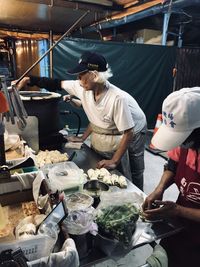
165 27
29 69
51 53
180 40
2 145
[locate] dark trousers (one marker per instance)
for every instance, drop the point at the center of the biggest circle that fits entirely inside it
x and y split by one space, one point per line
136 158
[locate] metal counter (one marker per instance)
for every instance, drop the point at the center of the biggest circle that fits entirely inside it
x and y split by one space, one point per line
145 233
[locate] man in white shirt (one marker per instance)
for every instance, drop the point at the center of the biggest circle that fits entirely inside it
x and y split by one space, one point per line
117 123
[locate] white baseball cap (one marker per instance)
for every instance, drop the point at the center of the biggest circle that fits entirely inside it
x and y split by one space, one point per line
181 115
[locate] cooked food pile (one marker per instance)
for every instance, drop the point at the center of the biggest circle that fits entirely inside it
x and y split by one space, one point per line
48 157
108 178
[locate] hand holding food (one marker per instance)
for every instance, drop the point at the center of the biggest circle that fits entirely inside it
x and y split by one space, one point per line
163 209
148 203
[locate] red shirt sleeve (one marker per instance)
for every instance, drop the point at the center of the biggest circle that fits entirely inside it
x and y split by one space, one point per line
174 154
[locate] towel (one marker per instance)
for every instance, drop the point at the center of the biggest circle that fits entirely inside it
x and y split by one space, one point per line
158 258
75 145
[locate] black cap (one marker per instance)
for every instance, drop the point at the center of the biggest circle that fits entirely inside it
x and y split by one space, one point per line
90 61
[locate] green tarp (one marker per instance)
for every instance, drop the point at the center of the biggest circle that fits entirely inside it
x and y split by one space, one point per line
144 71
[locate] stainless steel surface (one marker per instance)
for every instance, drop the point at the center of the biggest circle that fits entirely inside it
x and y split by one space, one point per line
51 53
145 233
16 106
19 101
29 134
10 113
41 16
21 123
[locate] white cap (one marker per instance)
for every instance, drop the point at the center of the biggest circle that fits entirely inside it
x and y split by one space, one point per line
181 115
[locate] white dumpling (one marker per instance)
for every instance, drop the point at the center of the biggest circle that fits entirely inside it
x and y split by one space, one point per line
94 177
122 181
107 179
97 172
114 179
104 172
90 172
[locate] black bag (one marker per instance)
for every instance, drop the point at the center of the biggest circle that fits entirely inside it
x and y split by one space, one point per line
10 258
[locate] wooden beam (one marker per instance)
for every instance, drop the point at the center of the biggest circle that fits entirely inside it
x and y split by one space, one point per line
24 35
96 2
132 3
123 2
133 10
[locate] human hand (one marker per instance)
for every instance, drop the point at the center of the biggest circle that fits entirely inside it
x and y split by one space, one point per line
67 98
149 202
75 139
106 163
22 83
164 209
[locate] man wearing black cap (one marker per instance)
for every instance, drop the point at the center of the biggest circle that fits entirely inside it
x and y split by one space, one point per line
117 123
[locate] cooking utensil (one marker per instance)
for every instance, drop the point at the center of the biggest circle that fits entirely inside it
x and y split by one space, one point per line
95 187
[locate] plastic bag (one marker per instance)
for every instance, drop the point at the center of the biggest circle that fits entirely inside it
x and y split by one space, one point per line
80 222
65 176
117 215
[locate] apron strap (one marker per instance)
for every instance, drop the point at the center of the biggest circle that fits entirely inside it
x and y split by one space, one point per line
100 130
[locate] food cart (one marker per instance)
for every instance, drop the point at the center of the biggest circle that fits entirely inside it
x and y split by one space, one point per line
97 248
93 249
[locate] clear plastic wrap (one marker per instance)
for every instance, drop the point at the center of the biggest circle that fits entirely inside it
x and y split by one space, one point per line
117 215
80 222
65 176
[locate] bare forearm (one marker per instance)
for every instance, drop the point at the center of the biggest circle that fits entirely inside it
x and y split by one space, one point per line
87 132
167 179
187 213
76 103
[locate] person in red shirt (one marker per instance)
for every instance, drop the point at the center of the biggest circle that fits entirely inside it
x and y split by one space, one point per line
179 134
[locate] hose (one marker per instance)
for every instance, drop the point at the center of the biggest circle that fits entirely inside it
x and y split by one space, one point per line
68 112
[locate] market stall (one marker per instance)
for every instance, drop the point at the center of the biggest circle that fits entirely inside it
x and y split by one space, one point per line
95 247
103 208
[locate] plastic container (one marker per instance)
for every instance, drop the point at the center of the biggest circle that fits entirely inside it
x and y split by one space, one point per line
65 176
34 248
50 228
18 182
78 201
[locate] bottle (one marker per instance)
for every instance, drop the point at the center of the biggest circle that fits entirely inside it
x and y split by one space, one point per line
50 227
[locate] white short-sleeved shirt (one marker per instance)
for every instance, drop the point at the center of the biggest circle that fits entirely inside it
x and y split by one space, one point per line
116 109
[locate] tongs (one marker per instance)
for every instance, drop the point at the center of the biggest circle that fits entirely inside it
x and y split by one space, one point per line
18 107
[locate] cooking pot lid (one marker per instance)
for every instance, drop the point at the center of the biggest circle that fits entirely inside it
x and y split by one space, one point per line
38 95
34 93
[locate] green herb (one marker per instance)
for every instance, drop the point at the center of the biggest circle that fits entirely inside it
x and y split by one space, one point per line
118 222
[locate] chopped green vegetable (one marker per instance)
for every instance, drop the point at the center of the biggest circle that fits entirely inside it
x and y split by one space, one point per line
118 222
